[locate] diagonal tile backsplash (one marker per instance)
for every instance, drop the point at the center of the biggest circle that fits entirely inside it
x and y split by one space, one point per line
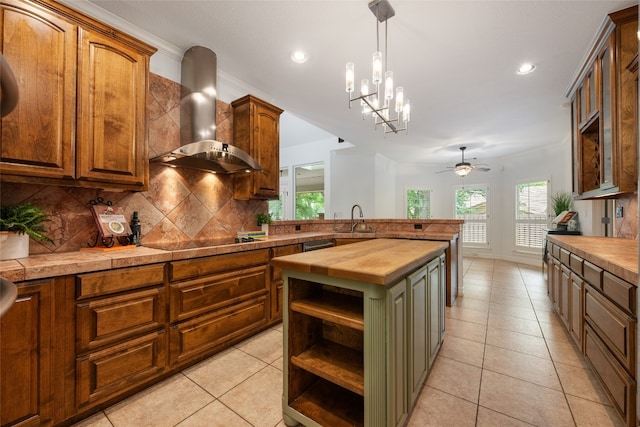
179 205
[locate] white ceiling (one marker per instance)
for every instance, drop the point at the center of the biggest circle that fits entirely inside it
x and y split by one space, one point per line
456 60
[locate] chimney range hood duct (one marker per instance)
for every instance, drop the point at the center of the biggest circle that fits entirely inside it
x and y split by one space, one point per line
198 146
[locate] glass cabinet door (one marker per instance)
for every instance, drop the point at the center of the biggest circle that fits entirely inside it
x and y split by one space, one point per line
606 117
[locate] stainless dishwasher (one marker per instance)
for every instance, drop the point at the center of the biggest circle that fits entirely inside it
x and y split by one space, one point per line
314 245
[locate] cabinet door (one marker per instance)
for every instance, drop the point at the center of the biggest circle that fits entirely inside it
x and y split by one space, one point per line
434 308
25 357
576 310
606 67
111 137
397 407
256 130
565 289
277 282
37 137
443 294
419 330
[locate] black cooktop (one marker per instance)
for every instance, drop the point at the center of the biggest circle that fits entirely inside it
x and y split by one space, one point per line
196 244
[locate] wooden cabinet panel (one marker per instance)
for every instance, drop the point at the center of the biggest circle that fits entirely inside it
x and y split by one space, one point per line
565 289
103 374
187 269
109 320
112 82
124 279
37 137
620 386
81 115
224 327
277 292
434 308
256 130
620 292
398 377
199 296
613 326
418 330
25 358
593 275
576 309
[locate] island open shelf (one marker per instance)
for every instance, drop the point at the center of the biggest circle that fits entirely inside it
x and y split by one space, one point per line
354 354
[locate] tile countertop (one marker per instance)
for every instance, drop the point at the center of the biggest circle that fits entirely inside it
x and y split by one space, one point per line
616 255
53 265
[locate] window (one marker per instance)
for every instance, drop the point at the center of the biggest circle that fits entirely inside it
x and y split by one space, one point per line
418 204
531 214
309 191
472 206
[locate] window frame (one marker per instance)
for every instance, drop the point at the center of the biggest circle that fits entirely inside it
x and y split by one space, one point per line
469 221
543 221
406 201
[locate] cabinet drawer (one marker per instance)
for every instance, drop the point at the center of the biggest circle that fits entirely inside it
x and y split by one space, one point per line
564 256
187 269
276 273
123 279
575 262
108 320
213 331
592 275
614 327
112 371
620 386
200 296
620 291
555 251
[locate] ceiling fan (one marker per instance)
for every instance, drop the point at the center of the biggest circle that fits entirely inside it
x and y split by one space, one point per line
463 168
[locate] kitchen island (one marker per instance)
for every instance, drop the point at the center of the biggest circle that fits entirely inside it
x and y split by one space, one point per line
362 326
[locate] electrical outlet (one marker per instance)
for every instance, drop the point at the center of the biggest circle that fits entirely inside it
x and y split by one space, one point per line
297 227
619 212
417 226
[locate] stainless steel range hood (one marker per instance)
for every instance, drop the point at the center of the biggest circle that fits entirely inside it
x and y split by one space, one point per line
199 148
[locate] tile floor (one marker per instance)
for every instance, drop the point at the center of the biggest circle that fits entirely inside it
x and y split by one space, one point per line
506 361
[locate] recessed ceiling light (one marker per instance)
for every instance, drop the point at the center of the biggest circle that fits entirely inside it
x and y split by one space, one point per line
299 56
526 68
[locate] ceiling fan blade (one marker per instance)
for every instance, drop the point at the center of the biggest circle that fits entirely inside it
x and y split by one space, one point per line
446 170
481 169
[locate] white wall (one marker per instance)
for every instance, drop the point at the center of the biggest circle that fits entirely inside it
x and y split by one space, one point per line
546 163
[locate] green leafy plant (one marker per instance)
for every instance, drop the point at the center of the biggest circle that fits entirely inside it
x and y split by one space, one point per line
25 218
561 201
262 218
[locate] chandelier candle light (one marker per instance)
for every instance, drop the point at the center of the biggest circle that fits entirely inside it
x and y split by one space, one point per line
369 99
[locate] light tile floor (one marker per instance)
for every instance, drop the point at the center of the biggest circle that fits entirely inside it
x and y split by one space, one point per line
506 361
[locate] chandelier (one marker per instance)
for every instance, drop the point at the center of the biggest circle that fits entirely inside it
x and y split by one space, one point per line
372 101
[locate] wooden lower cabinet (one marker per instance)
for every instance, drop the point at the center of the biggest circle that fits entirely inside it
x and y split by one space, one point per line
121 332
418 321
401 381
113 370
216 302
599 312
619 385
277 290
26 397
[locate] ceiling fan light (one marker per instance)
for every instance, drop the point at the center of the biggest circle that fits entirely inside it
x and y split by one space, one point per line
462 170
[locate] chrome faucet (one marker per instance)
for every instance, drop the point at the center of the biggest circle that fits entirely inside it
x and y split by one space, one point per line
353 223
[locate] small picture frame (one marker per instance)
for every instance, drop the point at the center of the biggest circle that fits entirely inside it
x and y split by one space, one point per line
111 222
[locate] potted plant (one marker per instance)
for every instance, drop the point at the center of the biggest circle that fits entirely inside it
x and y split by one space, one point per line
17 224
561 201
264 220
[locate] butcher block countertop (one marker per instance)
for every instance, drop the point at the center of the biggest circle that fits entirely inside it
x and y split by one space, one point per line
616 255
377 261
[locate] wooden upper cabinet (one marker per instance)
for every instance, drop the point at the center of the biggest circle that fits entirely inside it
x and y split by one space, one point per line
112 82
38 136
604 112
81 114
256 130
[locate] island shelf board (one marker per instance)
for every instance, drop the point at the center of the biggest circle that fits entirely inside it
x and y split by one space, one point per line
331 405
346 311
341 365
